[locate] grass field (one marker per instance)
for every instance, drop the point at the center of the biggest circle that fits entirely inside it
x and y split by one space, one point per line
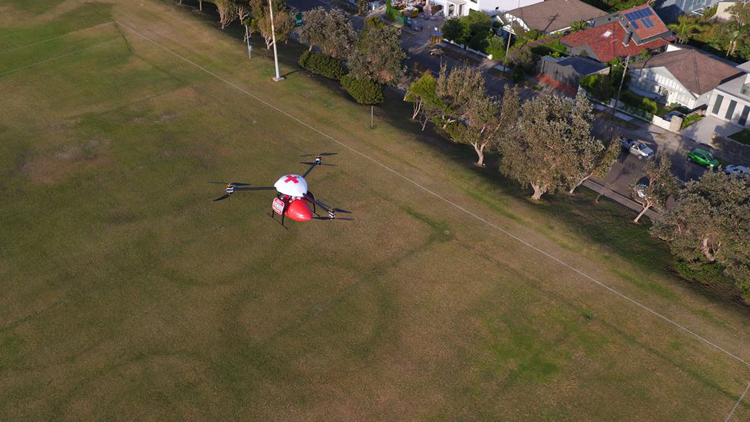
129 294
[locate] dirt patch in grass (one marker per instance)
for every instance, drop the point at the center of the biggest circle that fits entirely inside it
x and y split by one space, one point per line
52 167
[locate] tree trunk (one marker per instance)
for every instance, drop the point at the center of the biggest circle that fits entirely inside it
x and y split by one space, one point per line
200 5
417 108
310 48
580 182
707 252
424 123
538 192
643 211
480 153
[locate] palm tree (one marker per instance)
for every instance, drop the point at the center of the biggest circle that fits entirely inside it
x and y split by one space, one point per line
685 28
579 26
735 33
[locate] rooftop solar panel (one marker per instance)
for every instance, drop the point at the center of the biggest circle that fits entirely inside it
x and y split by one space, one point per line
647 22
629 16
647 12
635 24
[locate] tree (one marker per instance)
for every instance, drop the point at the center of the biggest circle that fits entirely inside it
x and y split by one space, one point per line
685 27
362 7
660 184
313 27
470 116
579 26
332 31
283 21
378 55
226 9
542 148
711 224
423 93
595 159
340 35
734 32
455 30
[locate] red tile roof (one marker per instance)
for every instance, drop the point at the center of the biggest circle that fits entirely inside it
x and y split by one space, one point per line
643 32
606 41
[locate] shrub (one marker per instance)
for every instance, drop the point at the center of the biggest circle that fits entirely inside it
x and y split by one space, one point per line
496 47
689 120
322 64
599 86
704 273
364 91
479 41
635 100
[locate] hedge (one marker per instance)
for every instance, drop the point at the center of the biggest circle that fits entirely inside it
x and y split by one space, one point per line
322 65
635 100
364 91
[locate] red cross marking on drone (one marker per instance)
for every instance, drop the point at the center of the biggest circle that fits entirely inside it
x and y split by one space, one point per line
291 179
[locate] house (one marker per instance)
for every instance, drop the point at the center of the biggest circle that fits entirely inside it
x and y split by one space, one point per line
565 73
671 9
452 8
730 101
551 16
621 34
686 76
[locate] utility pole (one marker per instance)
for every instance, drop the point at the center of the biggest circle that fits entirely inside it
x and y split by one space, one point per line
619 90
249 47
372 117
273 39
507 48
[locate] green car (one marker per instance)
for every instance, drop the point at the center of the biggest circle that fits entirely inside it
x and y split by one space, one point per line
703 157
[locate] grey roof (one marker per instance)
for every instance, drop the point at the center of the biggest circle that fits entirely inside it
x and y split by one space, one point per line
697 71
582 65
554 15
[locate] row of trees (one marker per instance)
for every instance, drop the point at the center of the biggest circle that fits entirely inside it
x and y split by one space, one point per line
373 57
546 143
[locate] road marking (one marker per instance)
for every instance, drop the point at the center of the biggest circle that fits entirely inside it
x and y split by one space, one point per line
498 228
738 403
55 38
56 57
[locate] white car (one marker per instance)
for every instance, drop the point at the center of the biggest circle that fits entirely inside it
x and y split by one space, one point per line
637 148
739 171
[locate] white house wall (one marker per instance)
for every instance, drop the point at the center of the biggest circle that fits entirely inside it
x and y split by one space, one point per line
650 80
494 7
724 108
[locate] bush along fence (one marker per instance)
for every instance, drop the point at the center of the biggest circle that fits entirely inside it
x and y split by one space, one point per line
463 47
322 64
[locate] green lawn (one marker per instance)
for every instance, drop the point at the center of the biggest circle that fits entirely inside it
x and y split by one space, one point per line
129 294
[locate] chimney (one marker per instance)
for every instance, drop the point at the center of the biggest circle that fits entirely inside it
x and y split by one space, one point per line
626 40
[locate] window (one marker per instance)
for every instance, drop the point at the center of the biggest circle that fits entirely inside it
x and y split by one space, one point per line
730 110
717 105
743 117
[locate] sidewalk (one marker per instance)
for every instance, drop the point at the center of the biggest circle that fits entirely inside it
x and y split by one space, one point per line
620 199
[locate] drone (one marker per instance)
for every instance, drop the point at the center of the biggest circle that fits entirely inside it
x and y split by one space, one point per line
293 199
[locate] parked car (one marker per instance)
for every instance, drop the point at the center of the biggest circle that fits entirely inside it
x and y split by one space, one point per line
703 157
436 51
637 148
671 114
738 171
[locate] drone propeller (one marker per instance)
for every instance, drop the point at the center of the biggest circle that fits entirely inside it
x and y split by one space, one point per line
311 163
334 218
322 154
231 187
230 183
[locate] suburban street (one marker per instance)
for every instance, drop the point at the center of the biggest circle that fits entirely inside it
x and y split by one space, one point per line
625 172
